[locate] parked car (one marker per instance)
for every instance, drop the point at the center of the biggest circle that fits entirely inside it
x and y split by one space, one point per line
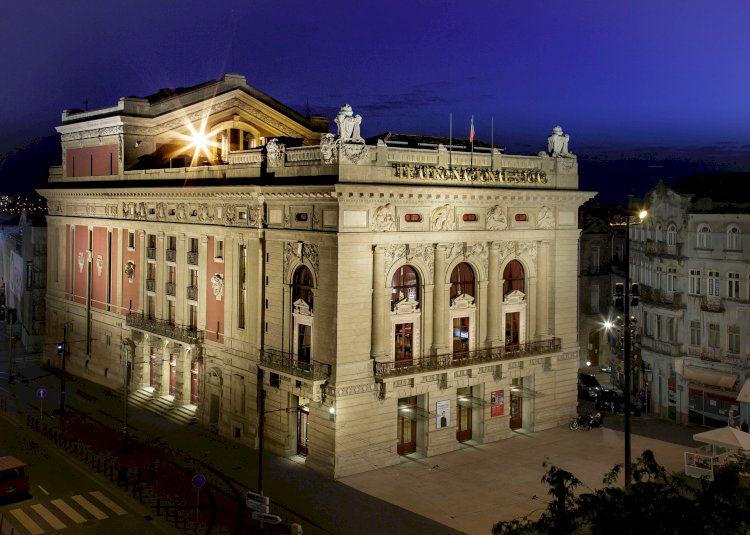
14 480
610 400
588 386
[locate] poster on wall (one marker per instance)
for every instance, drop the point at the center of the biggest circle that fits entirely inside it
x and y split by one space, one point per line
443 413
497 403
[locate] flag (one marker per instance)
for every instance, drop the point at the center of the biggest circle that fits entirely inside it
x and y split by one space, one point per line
471 130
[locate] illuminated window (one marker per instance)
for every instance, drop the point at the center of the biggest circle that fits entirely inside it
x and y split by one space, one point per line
302 286
462 280
405 283
513 277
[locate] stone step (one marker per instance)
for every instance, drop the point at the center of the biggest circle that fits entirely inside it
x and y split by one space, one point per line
163 406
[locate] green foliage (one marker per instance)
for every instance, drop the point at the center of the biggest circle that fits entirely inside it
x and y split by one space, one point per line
655 503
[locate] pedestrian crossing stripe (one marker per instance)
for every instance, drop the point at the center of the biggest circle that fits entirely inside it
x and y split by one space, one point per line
90 507
26 522
109 503
48 517
69 511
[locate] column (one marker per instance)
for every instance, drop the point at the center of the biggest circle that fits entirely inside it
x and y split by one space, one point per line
542 295
184 361
439 296
181 278
163 353
161 277
493 296
378 303
140 270
202 281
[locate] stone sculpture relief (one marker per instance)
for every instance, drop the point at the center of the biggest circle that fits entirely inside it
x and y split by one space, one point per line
348 125
557 144
80 261
442 218
161 211
383 219
496 219
328 152
545 218
230 213
217 283
130 270
275 153
527 248
99 265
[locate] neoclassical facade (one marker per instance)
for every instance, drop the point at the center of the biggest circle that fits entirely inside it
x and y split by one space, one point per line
209 244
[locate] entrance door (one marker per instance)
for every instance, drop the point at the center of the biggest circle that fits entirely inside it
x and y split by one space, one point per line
407 435
194 383
172 373
402 353
153 371
512 328
303 416
516 407
460 337
214 410
304 340
464 423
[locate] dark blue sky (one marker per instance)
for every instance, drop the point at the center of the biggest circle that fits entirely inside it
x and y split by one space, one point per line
625 79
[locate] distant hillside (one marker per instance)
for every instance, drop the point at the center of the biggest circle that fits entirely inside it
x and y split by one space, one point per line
25 169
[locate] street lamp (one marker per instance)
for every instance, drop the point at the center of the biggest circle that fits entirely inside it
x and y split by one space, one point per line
627 341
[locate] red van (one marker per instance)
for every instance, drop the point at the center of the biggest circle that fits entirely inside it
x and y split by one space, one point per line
14 479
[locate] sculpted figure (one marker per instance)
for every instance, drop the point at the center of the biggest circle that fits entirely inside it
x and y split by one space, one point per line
348 124
217 283
442 218
382 219
546 218
274 153
557 143
496 218
328 148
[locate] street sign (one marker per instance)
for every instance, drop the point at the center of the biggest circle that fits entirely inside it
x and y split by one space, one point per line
41 393
268 519
199 481
257 506
255 497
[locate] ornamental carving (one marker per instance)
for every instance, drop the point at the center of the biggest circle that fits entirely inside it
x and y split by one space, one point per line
298 252
477 250
315 218
230 214
253 216
80 261
452 250
205 212
496 219
140 210
89 134
545 218
354 153
423 253
383 219
328 148
181 212
275 153
130 270
348 125
161 211
99 265
527 248
505 248
217 284
442 218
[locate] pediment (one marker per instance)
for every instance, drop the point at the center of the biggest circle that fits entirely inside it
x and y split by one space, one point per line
515 297
302 308
462 301
406 306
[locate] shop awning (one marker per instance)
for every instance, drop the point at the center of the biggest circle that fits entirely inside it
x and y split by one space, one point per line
471 401
708 377
744 395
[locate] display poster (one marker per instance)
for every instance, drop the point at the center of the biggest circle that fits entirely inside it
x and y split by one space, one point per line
497 403
443 418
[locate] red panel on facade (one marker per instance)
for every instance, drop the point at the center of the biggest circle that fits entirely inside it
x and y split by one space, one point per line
66 269
214 305
114 276
130 286
92 161
99 269
80 263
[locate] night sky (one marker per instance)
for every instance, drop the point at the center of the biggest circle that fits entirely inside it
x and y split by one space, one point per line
645 81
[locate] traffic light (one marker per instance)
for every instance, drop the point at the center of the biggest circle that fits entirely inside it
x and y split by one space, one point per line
635 294
60 348
619 296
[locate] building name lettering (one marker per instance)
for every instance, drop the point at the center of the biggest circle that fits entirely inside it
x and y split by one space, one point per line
469 174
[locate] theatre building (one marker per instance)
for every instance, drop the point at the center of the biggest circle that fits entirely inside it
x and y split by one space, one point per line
215 249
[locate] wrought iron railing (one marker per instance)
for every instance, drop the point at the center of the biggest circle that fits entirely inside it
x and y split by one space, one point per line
192 258
192 293
286 363
171 288
466 358
171 255
163 328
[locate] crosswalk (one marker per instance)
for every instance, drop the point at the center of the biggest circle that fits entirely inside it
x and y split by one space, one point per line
59 514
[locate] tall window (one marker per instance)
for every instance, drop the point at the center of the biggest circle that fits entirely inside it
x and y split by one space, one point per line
241 287
302 286
405 284
704 237
695 333
658 232
733 238
192 317
714 335
171 311
671 234
733 339
595 258
713 284
594 299
670 280
659 279
733 285
513 277
695 281
671 334
657 320
462 280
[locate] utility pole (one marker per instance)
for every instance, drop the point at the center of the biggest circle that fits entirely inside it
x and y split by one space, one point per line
62 369
125 395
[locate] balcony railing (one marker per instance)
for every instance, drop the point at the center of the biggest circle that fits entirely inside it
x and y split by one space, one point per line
171 255
660 346
286 363
163 328
192 293
170 288
466 358
151 253
661 297
711 303
151 285
192 258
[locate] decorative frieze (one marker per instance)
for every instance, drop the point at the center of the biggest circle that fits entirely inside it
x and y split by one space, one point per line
90 134
297 252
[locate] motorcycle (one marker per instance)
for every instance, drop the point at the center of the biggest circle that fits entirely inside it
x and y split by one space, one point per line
587 421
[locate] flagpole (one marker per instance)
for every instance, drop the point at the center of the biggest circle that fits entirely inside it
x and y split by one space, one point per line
450 143
471 159
492 143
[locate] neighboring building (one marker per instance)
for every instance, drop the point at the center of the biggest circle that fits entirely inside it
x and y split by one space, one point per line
23 262
381 299
692 259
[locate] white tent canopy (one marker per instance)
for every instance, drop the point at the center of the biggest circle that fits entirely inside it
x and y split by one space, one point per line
725 437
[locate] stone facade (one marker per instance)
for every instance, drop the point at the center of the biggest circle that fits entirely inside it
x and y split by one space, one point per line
386 299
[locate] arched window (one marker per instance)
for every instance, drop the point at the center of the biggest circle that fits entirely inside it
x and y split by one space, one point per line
704 237
671 234
733 238
462 280
405 283
513 277
302 286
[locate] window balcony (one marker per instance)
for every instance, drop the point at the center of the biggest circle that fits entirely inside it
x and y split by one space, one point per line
285 363
163 328
151 285
659 346
192 293
711 303
171 255
466 358
192 258
170 288
151 253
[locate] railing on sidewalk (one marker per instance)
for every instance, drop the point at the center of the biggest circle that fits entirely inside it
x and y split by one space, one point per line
466 358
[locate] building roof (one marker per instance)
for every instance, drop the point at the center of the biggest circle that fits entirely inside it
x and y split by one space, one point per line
419 141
